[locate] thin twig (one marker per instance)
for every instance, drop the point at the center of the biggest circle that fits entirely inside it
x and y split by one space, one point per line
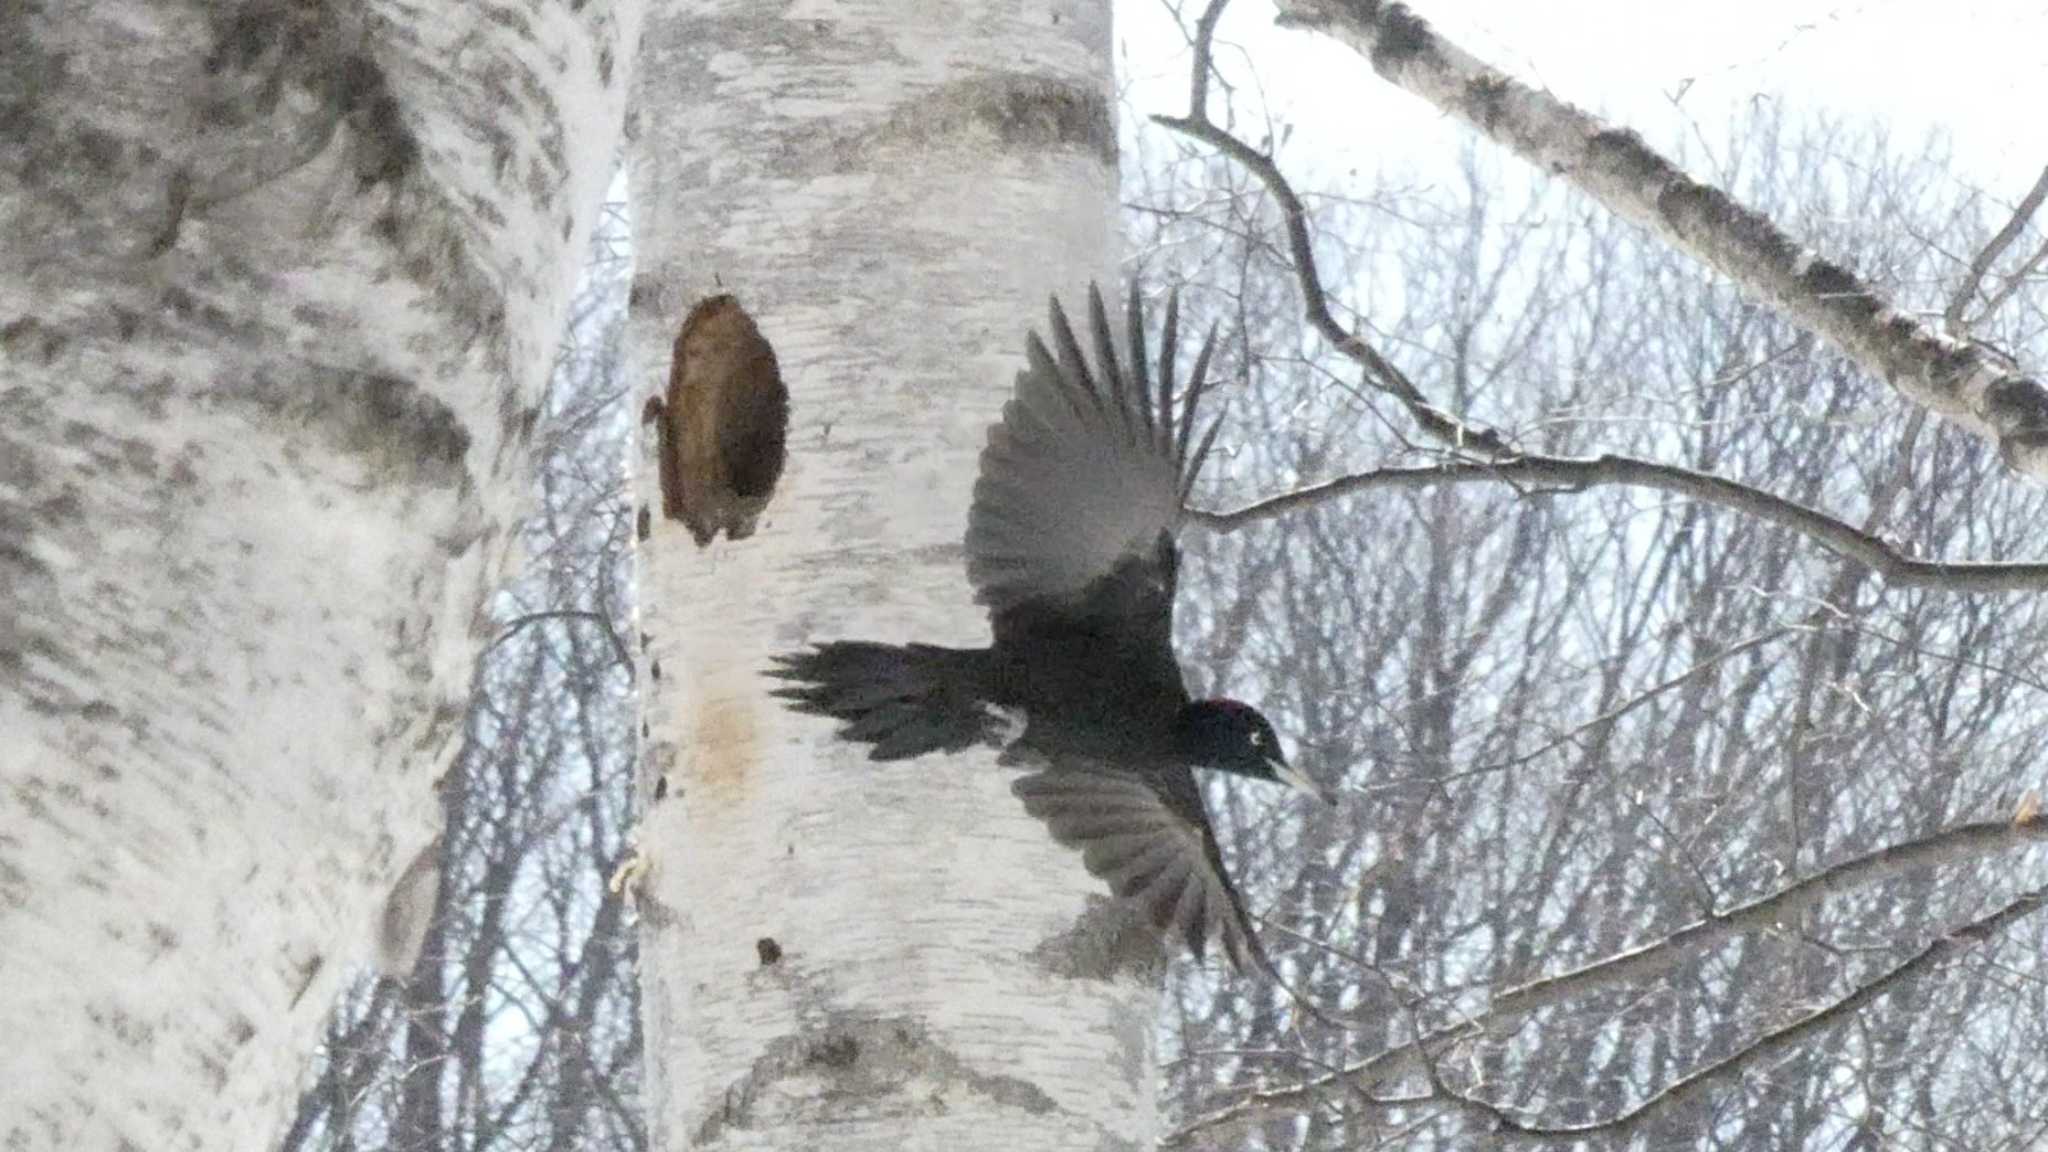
518 623
1625 707
1576 473
2021 215
1379 371
1775 1043
1954 846
2017 280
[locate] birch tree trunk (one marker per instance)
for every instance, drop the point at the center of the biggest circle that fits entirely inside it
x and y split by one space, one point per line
279 284
839 953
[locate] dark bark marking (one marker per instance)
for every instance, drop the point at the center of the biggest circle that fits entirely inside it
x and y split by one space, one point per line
864 1058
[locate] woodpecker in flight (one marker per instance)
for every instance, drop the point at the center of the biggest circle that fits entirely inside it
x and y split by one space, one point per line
1070 546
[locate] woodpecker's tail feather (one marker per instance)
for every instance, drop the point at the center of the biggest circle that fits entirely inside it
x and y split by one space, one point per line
905 700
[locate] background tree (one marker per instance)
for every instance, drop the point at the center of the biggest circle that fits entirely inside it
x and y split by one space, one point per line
837 952
279 285
519 1026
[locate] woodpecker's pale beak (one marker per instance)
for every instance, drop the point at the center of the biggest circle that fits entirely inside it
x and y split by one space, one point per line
1282 770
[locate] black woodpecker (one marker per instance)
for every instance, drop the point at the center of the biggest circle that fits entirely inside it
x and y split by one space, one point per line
1070 546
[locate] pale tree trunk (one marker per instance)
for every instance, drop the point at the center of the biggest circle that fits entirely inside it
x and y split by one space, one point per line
839 953
279 286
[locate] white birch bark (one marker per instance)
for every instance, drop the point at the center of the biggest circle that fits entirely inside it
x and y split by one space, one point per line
1955 379
891 190
279 287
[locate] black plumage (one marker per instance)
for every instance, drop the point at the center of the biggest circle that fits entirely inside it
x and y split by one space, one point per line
1070 546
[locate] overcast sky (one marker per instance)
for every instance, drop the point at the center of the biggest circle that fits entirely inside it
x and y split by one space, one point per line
1978 68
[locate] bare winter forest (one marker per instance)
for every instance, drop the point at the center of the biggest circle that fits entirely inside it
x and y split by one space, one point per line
1689 741
1628 502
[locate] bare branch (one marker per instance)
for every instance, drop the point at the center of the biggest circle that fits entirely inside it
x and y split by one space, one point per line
1617 712
2017 280
1577 473
1204 45
1960 301
1379 372
1949 377
1957 845
516 624
1775 1043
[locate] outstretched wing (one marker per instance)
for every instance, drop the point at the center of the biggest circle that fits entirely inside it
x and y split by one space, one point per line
1149 837
1085 477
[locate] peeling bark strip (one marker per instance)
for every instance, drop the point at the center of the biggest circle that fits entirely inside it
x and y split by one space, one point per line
723 425
1617 168
408 912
